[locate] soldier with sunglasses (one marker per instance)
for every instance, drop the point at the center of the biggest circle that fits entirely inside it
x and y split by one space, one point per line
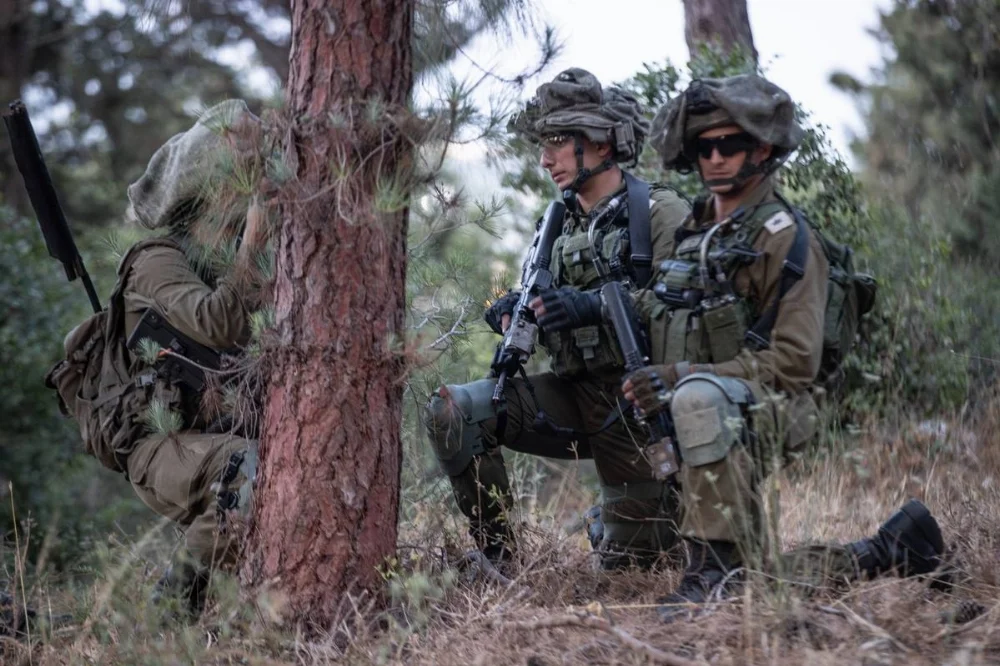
736 328
615 228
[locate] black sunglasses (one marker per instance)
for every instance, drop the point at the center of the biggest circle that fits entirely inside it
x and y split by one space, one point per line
727 145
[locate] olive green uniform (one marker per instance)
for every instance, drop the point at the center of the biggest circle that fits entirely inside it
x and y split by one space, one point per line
724 463
173 474
581 390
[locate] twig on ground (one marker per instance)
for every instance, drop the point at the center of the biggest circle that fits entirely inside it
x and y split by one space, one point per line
486 568
853 617
589 621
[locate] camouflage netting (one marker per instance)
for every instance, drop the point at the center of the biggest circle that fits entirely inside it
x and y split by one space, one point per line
749 101
181 171
575 102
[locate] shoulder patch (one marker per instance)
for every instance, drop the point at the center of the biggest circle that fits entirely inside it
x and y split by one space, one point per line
780 221
652 202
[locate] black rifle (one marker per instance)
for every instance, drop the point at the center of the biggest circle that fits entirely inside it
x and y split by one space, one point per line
180 358
518 343
618 309
38 183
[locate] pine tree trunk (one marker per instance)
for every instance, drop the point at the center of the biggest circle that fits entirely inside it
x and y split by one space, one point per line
327 498
722 23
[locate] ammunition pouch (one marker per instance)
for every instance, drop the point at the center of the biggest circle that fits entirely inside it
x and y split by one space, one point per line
725 322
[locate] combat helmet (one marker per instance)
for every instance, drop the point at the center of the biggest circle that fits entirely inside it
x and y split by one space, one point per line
759 107
182 172
574 103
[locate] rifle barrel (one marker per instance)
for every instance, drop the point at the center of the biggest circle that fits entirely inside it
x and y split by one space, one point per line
42 194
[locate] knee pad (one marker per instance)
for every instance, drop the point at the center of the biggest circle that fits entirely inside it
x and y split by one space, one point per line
454 424
708 414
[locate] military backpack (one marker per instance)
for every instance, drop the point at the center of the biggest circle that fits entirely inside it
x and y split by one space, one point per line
100 386
850 295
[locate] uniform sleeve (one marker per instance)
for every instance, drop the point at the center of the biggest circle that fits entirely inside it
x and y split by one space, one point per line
667 213
792 360
161 278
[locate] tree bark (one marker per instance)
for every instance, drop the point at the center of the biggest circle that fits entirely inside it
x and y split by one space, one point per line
327 497
724 24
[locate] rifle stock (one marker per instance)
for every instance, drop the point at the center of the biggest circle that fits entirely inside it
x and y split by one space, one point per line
42 194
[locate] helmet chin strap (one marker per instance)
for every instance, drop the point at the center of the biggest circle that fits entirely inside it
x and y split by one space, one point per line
583 174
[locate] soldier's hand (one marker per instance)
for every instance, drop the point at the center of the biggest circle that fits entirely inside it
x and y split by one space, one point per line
566 308
649 389
498 314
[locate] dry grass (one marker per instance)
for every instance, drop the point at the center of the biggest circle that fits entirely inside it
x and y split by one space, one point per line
560 611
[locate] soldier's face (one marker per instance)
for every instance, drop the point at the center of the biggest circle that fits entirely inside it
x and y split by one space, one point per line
559 157
722 152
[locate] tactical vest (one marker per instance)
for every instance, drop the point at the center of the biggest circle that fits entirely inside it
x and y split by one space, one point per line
708 320
710 323
593 350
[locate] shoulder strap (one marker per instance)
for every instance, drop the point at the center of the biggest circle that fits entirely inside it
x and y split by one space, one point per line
116 304
639 233
792 270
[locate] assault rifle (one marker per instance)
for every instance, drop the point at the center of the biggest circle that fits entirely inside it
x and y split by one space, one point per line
518 342
632 341
41 192
180 358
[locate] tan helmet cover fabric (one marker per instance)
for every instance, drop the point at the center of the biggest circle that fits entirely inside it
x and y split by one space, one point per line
575 102
180 170
755 104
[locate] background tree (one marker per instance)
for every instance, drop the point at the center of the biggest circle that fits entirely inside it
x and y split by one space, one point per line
933 118
721 25
328 495
930 159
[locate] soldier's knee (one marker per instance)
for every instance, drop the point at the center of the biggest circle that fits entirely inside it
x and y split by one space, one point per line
454 416
708 414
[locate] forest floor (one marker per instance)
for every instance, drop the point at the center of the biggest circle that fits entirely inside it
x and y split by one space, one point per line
558 610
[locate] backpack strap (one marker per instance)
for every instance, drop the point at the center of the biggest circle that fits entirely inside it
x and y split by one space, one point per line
115 333
639 232
792 270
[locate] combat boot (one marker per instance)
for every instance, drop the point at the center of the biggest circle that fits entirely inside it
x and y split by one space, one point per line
710 571
612 556
184 587
495 540
617 556
908 544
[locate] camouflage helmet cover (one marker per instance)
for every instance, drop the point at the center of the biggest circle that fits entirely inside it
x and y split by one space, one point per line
182 168
751 102
575 102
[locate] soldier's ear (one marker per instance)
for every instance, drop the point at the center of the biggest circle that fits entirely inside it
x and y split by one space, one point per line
604 150
762 152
